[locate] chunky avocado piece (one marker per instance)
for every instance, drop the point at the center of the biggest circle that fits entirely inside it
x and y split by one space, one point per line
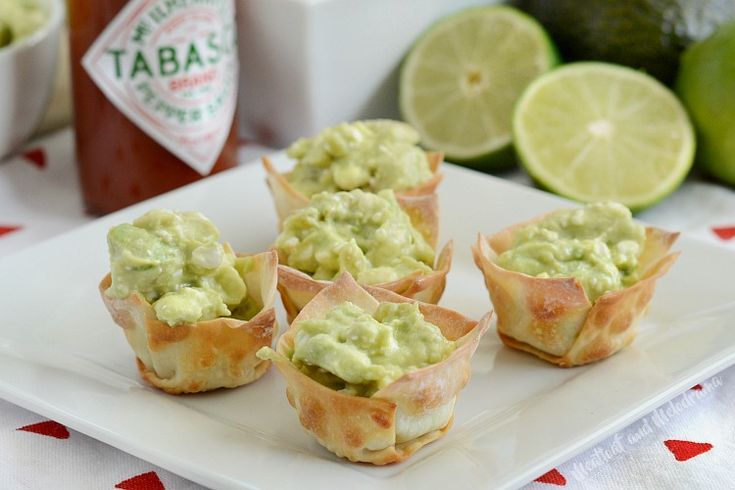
365 234
357 353
6 35
643 34
175 261
598 245
368 155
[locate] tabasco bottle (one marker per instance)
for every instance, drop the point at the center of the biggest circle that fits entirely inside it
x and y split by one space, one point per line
155 93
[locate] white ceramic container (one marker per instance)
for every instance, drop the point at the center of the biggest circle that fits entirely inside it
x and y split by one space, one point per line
308 64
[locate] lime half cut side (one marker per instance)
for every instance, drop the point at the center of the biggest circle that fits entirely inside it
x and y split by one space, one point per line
597 131
462 78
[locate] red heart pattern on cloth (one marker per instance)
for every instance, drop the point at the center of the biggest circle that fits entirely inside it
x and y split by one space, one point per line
552 477
144 481
8 229
724 232
36 156
48 428
685 450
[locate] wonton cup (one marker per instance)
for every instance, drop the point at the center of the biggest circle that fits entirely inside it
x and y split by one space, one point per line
206 355
553 318
400 418
298 288
288 199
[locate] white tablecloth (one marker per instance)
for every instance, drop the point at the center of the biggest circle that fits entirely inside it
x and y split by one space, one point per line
687 443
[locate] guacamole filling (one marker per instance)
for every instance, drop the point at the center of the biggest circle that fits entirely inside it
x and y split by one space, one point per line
175 261
367 155
356 353
367 235
598 245
19 19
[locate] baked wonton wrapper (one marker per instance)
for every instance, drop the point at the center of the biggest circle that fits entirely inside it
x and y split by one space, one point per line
298 288
553 318
206 355
288 199
403 416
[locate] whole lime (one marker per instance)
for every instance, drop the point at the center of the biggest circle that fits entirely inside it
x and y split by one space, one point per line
643 34
706 85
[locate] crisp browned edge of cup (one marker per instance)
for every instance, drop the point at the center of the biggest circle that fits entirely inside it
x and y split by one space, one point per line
298 288
347 424
204 339
602 328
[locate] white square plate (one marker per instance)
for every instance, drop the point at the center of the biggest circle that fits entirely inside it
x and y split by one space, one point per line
61 355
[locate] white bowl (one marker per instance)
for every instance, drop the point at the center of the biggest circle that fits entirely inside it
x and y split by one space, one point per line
27 70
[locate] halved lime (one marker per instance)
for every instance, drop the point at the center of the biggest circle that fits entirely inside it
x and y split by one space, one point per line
461 79
597 131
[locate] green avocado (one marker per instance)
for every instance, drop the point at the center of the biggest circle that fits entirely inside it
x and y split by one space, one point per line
175 261
367 155
357 353
599 245
643 34
365 234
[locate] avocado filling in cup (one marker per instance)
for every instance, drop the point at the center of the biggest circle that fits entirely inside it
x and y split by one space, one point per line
192 310
569 286
369 155
372 375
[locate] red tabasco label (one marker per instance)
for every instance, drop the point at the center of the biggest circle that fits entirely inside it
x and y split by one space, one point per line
171 67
